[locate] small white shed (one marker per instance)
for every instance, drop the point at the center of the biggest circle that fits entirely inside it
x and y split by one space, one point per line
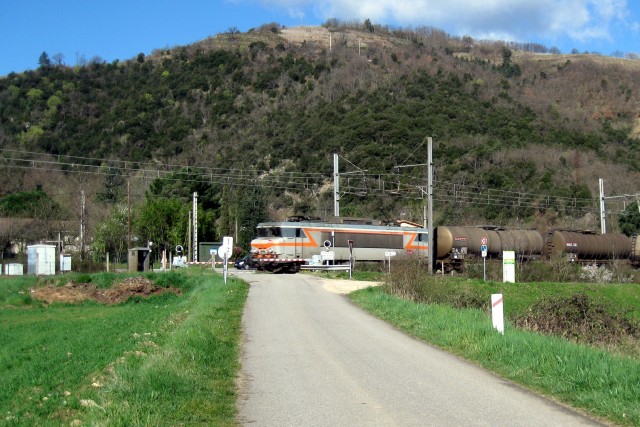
13 269
41 260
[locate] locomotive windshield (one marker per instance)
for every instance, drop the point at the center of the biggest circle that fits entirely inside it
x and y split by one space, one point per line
268 232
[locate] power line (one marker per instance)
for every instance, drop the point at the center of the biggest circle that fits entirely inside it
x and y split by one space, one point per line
362 185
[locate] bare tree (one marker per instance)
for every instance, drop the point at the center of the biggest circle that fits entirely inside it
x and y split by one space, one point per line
58 59
233 32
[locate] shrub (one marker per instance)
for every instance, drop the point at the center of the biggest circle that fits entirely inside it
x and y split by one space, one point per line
406 277
409 279
579 318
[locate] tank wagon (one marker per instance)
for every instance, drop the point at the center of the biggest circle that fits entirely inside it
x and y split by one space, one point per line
588 246
285 246
454 244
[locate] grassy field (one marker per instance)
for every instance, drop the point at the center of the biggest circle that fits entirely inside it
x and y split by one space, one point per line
167 360
519 296
172 359
591 379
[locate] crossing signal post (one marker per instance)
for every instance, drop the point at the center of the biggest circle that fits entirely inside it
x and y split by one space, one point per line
225 252
483 248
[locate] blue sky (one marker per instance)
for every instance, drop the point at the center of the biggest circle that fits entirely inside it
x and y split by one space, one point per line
120 29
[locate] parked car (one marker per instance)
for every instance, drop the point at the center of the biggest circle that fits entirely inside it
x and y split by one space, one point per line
244 263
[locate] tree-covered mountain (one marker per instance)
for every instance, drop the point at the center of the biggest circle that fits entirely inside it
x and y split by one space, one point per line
537 129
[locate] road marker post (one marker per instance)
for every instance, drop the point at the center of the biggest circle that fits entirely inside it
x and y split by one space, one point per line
225 251
497 312
509 266
388 255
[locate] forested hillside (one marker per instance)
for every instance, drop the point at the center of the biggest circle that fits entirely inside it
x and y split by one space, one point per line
519 138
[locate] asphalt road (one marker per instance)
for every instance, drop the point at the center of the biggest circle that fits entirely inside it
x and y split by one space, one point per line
311 358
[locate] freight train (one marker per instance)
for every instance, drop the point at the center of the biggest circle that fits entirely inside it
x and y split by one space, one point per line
454 244
286 246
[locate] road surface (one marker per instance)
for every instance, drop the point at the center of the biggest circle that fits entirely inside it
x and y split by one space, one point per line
311 358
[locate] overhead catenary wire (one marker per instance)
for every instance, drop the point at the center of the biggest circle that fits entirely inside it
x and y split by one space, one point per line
362 183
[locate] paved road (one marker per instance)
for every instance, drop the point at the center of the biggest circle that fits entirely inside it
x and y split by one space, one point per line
311 358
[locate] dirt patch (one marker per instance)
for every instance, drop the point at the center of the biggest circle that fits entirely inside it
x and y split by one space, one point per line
74 293
338 286
345 36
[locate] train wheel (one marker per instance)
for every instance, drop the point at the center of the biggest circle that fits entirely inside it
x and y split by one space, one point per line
293 268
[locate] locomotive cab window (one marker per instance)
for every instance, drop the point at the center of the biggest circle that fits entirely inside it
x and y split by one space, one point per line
269 232
293 232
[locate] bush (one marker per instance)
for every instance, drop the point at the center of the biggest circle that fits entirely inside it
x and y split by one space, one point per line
468 296
86 265
406 277
410 279
579 318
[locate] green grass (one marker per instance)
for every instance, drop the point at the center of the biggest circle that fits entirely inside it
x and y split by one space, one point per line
519 296
593 380
168 360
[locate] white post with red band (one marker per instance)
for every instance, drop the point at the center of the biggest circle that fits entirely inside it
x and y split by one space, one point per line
497 312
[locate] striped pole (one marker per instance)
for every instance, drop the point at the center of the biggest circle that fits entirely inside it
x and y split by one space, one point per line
497 312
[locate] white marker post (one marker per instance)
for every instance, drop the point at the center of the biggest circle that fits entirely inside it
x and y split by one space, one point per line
389 254
509 266
350 243
497 312
222 253
227 244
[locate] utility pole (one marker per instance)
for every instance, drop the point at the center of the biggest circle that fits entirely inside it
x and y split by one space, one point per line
429 208
430 202
603 221
195 227
128 216
189 236
336 187
82 203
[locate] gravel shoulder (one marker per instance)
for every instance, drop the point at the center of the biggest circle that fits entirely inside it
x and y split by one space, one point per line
341 286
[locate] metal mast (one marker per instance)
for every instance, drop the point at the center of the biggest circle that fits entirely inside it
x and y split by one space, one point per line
336 187
195 227
430 202
603 220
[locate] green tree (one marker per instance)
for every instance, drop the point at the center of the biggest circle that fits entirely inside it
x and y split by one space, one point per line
113 183
508 68
630 220
182 184
110 236
368 26
162 221
30 204
251 210
44 61
227 212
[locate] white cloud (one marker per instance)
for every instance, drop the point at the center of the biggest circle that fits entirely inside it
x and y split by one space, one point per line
581 20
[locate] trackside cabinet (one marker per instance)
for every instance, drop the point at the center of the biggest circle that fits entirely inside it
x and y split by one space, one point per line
139 259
